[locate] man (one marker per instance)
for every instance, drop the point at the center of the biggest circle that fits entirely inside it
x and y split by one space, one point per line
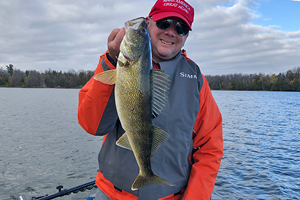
191 157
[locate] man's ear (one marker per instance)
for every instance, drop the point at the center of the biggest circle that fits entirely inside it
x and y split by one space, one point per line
148 20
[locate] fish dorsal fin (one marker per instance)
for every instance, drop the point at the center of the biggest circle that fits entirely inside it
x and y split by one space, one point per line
124 142
159 137
107 77
160 89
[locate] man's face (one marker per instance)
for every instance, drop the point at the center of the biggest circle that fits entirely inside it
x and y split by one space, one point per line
165 44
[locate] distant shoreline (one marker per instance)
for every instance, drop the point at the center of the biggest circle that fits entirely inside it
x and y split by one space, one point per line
289 81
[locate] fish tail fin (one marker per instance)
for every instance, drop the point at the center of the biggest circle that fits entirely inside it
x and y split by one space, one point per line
142 181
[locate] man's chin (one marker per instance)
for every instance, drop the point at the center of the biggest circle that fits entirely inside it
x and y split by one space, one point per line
165 53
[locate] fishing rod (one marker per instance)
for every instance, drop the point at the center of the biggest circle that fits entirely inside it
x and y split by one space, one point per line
60 193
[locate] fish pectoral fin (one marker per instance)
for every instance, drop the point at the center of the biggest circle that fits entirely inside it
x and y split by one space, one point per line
107 77
159 137
124 142
160 89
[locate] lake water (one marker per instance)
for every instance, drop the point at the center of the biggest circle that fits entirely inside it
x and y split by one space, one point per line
261 145
43 146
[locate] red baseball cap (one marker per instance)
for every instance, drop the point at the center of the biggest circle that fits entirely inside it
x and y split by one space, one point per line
173 8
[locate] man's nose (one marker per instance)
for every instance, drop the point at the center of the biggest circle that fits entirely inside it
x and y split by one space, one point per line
171 30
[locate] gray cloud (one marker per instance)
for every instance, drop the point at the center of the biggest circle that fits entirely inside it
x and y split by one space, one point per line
72 34
224 41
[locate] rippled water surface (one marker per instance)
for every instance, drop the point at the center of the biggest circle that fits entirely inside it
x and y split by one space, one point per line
261 145
42 145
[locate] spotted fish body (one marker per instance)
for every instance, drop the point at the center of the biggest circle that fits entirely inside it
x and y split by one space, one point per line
140 94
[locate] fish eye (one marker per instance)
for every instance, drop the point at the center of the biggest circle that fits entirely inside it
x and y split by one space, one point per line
124 64
142 30
121 64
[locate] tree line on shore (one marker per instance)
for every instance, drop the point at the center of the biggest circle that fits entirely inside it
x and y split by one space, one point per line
50 78
289 81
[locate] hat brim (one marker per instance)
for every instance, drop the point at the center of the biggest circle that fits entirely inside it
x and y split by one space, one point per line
161 15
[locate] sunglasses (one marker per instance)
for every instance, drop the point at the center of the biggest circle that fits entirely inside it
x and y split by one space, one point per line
181 28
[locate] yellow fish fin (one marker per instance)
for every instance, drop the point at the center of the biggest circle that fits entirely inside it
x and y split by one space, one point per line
159 137
107 77
124 142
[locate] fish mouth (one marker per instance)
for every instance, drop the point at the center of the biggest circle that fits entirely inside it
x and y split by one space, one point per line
130 41
134 23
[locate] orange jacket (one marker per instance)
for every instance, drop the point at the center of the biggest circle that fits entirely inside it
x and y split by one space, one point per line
207 137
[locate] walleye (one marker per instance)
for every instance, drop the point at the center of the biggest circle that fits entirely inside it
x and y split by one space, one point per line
140 94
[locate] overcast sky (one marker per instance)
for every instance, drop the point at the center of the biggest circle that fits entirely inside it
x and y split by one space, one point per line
229 36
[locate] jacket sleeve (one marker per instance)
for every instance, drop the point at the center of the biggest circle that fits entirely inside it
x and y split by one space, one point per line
97 113
208 140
